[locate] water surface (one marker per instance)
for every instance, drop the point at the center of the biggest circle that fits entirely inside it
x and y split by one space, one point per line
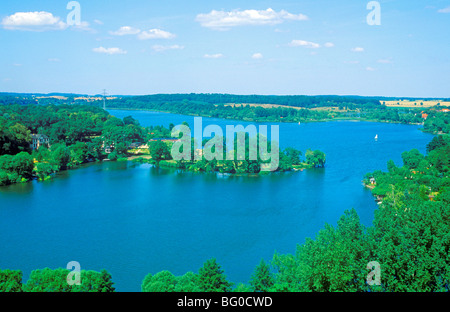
135 219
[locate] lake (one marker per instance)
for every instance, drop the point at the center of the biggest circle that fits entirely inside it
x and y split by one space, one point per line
133 219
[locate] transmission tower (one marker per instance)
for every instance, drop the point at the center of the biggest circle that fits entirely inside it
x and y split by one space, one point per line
104 99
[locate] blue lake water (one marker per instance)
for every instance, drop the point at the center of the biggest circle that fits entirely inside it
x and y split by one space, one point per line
133 219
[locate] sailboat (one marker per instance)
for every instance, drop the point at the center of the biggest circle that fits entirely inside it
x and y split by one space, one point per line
376 137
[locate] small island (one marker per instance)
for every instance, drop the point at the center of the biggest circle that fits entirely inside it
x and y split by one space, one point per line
290 159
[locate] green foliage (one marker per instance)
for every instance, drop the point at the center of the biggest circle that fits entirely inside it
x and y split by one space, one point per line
412 158
163 281
262 279
159 150
17 168
211 278
316 158
10 281
437 122
48 280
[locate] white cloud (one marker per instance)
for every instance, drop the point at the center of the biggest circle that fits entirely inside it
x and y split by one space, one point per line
161 48
109 51
358 49
257 56
351 62
303 43
370 68
213 56
445 10
328 45
125 30
82 26
155 34
56 60
98 22
222 20
34 21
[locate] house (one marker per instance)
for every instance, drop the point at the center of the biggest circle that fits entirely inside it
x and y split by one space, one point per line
135 145
38 140
424 115
445 110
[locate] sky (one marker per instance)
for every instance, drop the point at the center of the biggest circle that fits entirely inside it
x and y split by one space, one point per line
136 47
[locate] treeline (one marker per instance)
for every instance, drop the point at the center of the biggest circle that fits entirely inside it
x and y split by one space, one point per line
244 112
219 159
285 100
49 280
437 122
77 134
389 114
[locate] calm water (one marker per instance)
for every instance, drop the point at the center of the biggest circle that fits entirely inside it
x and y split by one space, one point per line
135 219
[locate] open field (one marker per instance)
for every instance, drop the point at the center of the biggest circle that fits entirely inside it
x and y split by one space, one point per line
418 103
336 109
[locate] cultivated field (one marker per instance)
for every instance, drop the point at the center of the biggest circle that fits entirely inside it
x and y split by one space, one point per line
418 103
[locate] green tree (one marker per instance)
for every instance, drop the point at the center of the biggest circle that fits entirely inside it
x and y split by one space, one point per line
262 279
163 281
211 278
10 281
412 158
159 150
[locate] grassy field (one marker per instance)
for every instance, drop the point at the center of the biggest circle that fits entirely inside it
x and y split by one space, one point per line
418 103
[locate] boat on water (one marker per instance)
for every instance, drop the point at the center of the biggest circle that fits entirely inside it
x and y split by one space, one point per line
376 137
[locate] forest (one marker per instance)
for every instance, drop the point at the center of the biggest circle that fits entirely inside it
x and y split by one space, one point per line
77 134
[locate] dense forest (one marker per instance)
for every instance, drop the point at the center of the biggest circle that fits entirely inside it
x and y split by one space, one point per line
77 134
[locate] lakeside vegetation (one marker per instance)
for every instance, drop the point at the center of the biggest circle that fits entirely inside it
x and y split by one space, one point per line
79 134
409 238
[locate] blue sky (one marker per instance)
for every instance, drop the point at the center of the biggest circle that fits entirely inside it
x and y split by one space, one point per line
241 47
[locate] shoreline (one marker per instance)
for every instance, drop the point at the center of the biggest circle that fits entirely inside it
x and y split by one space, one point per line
269 121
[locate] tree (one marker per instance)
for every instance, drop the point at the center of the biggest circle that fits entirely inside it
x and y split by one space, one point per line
316 158
163 281
10 281
48 280
129 120
262 279
187 283
412 158
211 278
437 142
159 150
